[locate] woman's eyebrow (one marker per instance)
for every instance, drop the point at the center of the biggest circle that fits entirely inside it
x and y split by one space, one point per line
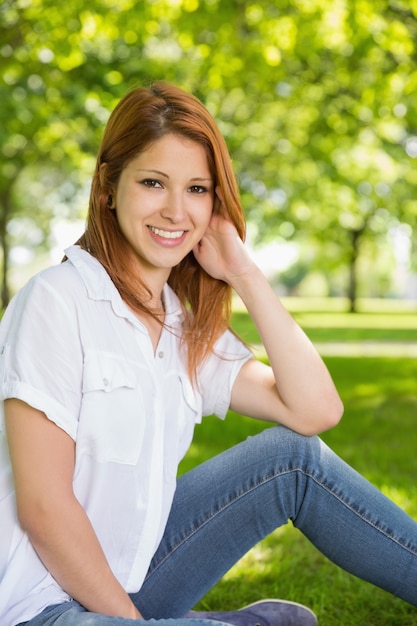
159 173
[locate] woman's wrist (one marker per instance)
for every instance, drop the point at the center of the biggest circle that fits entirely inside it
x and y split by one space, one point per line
247 283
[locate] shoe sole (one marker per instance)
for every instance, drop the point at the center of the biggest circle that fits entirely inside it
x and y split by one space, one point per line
281 602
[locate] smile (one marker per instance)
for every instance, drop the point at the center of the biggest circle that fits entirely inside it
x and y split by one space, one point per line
167 234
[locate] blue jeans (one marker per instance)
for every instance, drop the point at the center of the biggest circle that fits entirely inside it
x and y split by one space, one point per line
225 506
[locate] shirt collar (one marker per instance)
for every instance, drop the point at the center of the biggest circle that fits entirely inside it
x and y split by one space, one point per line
100 286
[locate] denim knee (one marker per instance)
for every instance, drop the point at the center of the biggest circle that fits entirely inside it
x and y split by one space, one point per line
291 450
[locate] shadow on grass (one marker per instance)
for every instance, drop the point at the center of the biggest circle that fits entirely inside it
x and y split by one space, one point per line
287 566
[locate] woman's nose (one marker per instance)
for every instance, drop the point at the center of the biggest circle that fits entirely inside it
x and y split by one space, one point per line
174 207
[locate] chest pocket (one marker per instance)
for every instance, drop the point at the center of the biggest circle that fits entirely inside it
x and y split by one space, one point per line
187 404
192 398
112 420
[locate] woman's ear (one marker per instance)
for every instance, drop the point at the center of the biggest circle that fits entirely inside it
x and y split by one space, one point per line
105 186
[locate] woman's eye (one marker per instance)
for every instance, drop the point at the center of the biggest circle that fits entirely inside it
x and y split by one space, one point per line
151 182
198 189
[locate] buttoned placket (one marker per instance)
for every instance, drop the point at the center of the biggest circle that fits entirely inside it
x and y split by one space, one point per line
156 356
155 359
156 366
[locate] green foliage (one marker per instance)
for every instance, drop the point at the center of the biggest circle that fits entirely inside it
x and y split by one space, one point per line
316 100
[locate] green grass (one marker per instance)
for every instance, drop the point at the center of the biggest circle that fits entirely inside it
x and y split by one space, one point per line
328 321
377 436
326 327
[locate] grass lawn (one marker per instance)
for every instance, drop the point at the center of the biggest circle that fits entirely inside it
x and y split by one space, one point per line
377 436
328 321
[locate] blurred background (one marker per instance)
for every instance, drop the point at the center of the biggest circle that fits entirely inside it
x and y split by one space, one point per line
316 99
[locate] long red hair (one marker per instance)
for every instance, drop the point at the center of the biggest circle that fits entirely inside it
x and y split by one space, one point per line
140 118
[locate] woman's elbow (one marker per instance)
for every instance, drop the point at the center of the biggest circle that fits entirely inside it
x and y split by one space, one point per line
325 417
36 519
30 520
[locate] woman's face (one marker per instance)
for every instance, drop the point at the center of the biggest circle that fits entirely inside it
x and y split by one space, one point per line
164 201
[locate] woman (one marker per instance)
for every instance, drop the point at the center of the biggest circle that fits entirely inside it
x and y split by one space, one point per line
108 361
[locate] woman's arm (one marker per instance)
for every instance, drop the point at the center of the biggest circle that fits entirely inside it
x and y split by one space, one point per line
297 389
42 458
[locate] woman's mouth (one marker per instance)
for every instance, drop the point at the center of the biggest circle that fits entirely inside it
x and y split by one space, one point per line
167 234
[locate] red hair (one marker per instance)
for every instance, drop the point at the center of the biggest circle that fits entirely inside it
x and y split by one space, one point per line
143 116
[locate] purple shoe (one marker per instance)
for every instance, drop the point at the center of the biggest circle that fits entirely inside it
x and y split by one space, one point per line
263 613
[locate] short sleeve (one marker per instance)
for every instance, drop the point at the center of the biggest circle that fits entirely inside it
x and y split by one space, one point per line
40 351
218 373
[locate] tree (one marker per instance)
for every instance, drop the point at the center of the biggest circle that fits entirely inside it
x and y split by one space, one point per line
44 140
341 132
315 98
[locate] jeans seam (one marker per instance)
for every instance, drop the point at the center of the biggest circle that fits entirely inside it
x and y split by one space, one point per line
370 523
213 516
263 482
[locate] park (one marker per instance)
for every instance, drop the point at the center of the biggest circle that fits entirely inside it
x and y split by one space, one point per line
317 102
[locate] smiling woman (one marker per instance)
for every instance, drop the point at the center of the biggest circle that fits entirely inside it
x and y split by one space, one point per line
162 207
140 121
132 348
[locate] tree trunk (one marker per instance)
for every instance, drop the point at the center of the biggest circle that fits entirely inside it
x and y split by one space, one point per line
4 246
355 236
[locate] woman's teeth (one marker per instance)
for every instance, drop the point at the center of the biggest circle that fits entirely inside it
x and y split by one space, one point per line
167 233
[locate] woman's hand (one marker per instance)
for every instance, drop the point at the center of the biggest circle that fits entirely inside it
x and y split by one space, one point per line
297 389
221 252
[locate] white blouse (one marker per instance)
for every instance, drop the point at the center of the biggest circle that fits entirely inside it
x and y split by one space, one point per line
70 347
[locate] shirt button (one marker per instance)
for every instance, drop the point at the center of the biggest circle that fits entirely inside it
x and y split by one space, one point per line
161 354
105 382
2 350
